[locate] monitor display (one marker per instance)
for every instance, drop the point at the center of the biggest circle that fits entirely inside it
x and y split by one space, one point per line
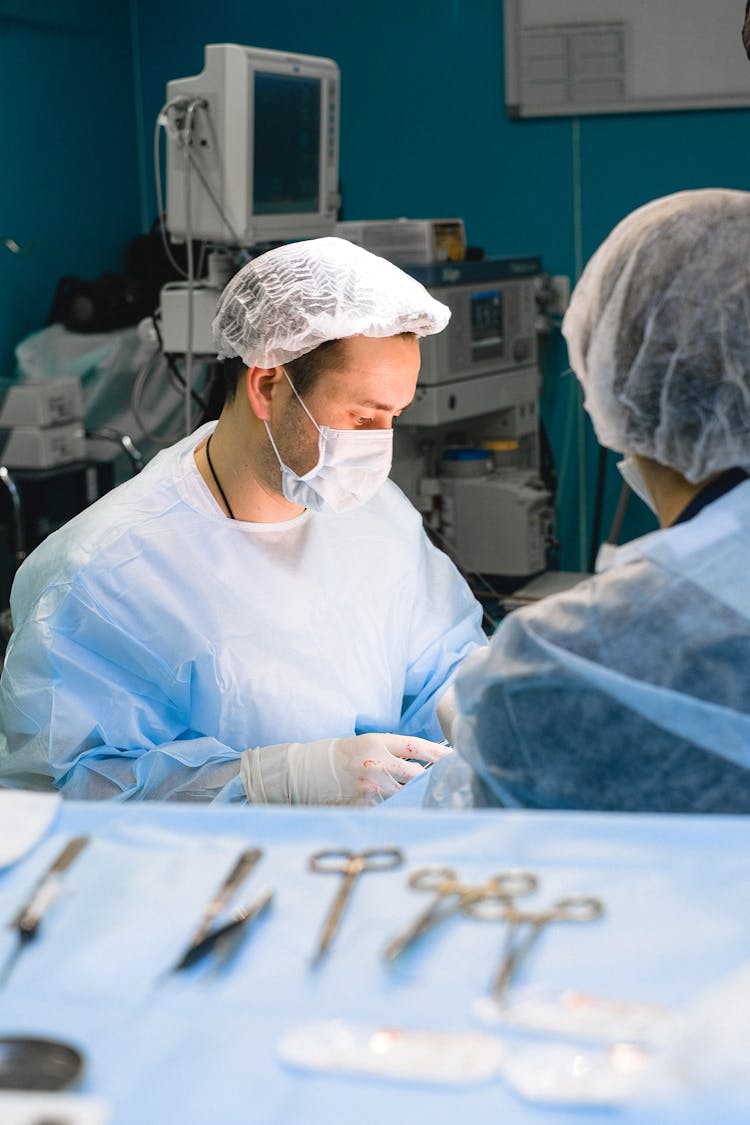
286 157
487 328
261 162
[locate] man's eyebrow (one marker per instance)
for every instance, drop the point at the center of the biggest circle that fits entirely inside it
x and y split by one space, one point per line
364 402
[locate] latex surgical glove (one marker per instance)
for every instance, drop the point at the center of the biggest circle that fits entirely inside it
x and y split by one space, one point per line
362 770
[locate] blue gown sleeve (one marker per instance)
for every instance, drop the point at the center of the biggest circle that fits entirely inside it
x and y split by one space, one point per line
445 626
88 706
626 694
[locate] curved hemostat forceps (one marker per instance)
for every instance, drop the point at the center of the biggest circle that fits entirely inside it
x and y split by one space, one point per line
341 861
576 908
451 896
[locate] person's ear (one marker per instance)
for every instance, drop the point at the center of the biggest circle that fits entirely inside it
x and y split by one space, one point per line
261 385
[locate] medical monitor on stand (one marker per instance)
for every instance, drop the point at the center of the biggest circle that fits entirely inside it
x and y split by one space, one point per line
252 150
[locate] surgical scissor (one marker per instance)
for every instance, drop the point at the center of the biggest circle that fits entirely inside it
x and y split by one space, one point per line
350 865
204 938
576 908
452 896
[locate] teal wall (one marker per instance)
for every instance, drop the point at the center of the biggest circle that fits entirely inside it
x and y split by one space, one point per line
424 133
68 183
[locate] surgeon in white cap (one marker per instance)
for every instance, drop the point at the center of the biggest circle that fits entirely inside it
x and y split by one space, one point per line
630 691
259 615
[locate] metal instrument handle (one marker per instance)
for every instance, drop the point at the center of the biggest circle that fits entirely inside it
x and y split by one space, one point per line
240 868
350 865
443 905
577 908
31 912
336 911
440 880
241 918
507 967
381 859
334 861
496 900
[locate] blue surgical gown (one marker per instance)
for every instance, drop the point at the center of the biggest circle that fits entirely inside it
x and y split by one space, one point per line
629 692
155 639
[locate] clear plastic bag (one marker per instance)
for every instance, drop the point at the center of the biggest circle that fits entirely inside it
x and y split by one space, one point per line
577 1015
400 1053
541 1072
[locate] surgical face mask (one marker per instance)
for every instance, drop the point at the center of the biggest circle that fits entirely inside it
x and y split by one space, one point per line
631 473
351 466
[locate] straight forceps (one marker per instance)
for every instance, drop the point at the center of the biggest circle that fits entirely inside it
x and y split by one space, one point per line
350 865
452 896
577 908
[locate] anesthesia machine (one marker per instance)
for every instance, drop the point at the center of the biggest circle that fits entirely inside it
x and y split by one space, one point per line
467 451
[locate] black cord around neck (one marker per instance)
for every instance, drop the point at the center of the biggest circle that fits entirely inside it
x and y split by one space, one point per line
216 479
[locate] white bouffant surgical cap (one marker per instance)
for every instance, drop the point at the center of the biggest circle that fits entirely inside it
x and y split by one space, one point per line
658 332
289 300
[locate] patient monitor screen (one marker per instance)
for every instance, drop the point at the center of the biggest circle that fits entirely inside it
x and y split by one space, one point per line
487 325
286 172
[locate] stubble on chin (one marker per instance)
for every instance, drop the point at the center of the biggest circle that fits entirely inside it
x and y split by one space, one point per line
297 446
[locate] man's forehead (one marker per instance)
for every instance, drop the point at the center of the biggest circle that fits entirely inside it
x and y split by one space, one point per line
366 344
